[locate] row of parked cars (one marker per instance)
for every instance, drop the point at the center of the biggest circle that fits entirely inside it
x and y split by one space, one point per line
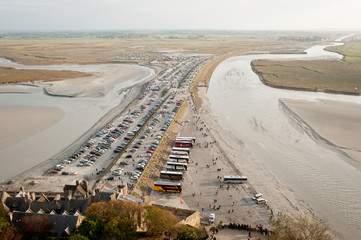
258 198
154 144
59 167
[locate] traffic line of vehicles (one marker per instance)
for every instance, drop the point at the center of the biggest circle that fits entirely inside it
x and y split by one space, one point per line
175 166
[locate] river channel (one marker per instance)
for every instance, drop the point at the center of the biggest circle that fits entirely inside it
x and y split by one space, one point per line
319 176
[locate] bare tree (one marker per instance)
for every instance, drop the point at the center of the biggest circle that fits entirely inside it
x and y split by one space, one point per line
300 228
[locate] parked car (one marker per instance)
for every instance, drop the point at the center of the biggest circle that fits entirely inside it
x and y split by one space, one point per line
212 217
256 196
261 201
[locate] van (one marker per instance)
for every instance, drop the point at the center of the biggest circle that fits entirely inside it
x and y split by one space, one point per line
212 217
261 201
256 196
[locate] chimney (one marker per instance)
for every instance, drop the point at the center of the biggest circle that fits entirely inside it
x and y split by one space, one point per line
70 193
32 196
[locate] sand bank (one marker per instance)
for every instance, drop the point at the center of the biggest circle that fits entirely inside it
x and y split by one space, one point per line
339 123
101 83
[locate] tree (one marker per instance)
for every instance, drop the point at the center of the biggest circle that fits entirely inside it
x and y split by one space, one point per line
3 213
108 210
78 236
4 221
160 221
10 233
192 233
300 228
36 226
91 227
120 228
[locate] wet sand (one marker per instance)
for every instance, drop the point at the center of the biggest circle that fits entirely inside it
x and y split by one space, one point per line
338 123
20 122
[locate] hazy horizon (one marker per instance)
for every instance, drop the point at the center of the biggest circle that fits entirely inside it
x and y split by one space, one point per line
232 15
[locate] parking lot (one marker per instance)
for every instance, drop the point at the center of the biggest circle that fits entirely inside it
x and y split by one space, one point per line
121 150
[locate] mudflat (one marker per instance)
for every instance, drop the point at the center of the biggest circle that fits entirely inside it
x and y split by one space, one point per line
20 122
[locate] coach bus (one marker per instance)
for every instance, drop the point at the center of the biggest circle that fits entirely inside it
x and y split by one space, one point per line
183 144
172 175
177 166
179 158
167 187
234 179
192 139
178 149
179 153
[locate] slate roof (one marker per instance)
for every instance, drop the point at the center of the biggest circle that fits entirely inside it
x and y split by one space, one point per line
61 222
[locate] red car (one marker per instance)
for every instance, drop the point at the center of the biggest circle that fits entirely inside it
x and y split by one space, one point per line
149 151
54 171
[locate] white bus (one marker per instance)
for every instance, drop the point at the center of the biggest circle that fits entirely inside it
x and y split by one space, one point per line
171 175
192 139
235 179
180 149
179 158
177 166
179 153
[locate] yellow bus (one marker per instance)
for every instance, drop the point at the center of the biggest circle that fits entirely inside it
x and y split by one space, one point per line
167 187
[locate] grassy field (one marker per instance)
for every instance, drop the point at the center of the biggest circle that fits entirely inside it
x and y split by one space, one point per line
11 75
351 51
86 50
95 50
329 76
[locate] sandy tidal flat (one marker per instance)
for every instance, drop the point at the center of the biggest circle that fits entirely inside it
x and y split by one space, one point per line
20 122
337 122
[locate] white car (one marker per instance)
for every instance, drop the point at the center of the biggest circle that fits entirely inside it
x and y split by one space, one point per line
134 177
256 196
261 201
212 217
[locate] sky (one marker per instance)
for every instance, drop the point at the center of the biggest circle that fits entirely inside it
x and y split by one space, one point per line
88 15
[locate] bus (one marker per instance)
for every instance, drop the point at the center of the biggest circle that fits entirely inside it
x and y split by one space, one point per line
168 187
172 175
177 166
179 158
234 179
179 149
192 139
179 153
183 144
